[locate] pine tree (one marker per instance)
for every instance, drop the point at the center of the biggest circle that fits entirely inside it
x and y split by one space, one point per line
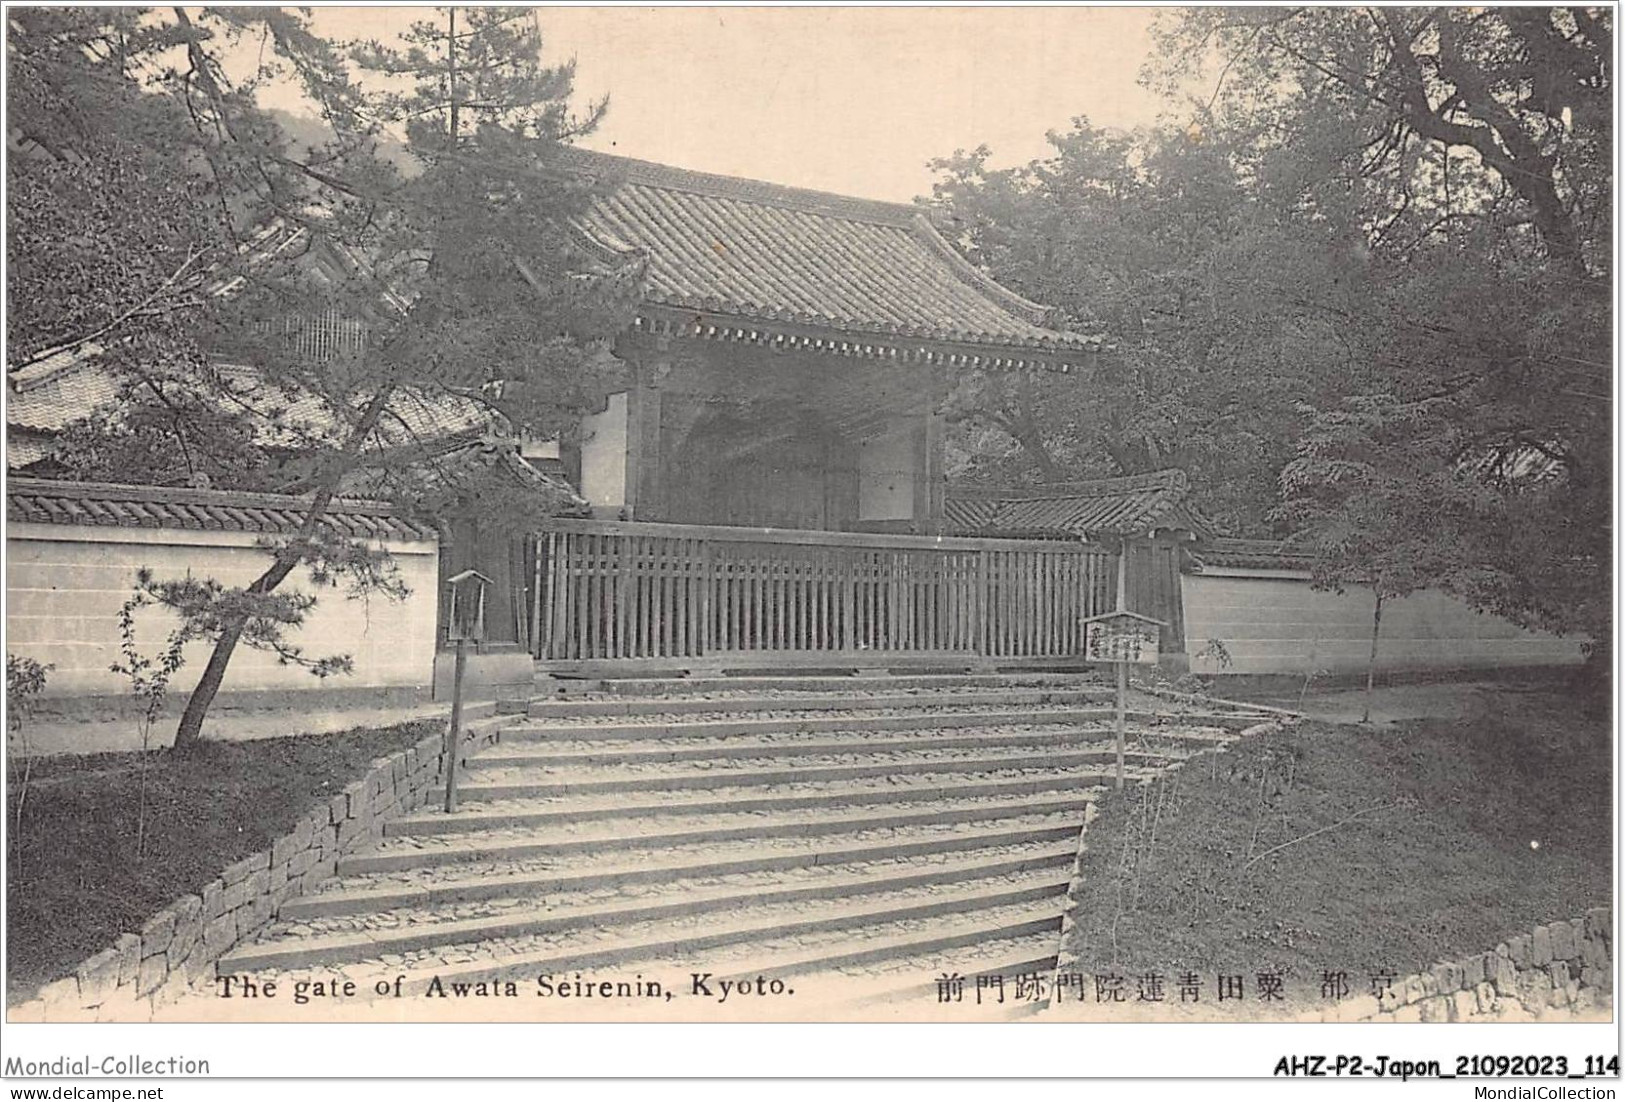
368 293
110 227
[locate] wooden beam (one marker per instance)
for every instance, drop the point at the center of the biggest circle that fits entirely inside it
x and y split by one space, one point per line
806 660
807 536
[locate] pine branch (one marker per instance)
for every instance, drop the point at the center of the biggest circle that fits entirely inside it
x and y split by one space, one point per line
142 308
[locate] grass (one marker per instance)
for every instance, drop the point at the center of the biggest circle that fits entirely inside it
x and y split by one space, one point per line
1352 849
74 880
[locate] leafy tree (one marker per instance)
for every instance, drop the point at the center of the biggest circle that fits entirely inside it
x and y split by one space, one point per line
204 442
111 230
1371 217
1206 297
1471 150
1514 103
1379 502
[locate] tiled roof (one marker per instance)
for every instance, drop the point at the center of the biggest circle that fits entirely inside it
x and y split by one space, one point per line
101 504
410 418
728 247
448 474
501 457
45 397
1107 506
25 447
1249 554
49 393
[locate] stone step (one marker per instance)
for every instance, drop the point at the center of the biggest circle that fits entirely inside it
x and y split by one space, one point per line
587 752
548 688
720 722
538 731
846 932
570 847
875 872
559 838
737 799
1031 875
869 837
746 702
433 885
523 784
979 753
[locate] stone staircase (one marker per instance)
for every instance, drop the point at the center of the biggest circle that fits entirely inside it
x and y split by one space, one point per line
852 839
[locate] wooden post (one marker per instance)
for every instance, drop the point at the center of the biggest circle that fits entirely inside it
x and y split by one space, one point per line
536 631
1122 715
706 642
454 729
1122 667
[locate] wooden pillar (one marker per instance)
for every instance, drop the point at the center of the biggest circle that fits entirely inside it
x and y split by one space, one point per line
935 434
644 497
921 513
1122 575
928 456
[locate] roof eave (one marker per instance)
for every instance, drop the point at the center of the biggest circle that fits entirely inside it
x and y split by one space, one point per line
712 323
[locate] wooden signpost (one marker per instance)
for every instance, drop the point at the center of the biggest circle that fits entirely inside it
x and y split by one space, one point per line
1121 637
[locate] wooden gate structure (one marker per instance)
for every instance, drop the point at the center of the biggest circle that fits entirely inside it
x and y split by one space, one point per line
769 489
613 596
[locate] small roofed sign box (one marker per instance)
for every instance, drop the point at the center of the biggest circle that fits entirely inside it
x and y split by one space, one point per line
1121 636
465 618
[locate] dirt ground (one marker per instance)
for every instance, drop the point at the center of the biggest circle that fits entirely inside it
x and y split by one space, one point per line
1464 814
101 841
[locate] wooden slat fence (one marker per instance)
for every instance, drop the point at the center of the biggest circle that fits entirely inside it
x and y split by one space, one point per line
626 591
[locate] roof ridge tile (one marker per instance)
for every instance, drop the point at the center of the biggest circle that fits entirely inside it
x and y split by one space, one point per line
674 177
1125 505
109 504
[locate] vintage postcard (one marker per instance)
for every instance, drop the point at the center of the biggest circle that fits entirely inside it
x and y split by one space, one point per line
811 515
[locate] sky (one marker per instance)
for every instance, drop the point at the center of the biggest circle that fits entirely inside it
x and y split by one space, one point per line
851 100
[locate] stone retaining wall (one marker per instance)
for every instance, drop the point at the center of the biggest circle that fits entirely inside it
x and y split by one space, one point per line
1567 966
180 944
